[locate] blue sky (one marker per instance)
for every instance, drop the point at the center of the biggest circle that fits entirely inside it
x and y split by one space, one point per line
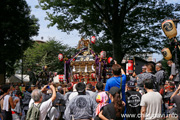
70 39
46 32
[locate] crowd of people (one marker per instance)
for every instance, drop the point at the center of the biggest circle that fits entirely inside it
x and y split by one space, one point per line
146 96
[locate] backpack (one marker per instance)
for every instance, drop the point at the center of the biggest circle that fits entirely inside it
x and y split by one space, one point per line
33 112
47 115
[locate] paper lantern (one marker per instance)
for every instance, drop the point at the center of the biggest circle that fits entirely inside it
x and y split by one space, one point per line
103 54
166 53
61 78
93 39
110 59
169 28
60 57
130 66
93 75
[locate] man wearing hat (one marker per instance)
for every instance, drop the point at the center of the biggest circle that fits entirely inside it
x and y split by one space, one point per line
81 107
133 99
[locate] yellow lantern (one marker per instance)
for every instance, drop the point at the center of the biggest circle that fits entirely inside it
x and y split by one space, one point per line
169 29
166 53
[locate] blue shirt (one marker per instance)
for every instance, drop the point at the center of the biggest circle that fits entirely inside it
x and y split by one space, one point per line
115 82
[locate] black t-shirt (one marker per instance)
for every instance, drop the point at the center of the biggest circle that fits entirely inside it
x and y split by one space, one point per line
110 113
133 99
176 100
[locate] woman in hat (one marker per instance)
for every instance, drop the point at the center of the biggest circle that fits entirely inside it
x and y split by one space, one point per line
115 108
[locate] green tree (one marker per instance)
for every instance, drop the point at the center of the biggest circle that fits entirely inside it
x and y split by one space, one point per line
17 27
46 54
103 45
133 26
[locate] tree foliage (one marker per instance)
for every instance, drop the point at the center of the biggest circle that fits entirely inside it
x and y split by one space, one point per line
133 26
46 54
103 45
16 25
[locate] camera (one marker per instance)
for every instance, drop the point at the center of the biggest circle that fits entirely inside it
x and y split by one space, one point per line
48 87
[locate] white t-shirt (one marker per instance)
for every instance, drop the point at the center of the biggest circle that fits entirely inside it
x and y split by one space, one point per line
45 106
6 102
153 102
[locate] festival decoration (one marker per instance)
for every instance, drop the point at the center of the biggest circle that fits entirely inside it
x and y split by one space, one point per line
102 54
93 75
130 66
60 57
110 59
166 53
93 39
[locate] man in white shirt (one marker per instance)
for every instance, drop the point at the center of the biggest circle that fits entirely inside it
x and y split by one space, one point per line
150 103
37 99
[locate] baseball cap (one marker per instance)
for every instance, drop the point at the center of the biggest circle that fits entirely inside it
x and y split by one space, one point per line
59 87
131 83
114 90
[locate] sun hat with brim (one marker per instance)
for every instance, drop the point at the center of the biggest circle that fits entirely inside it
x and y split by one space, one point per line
114 90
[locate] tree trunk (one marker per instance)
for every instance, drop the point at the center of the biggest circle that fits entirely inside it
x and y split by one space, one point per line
2 79
2 73
117 50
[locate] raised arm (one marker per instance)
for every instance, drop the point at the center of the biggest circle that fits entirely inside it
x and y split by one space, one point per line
122 71
11 103
176 92
53 93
